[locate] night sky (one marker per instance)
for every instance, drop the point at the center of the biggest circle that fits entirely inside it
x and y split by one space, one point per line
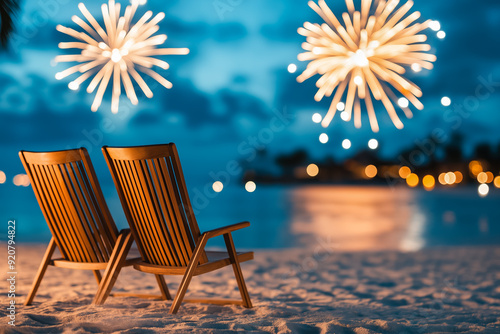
233 83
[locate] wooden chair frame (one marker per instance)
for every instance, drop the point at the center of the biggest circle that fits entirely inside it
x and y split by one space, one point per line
71 200
153 193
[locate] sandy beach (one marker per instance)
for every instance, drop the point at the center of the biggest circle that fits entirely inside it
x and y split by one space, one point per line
293 291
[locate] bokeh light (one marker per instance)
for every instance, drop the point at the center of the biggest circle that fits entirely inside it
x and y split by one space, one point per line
292 68
373 144
459 177
475 167
404 172
483 190
412 180
450 178
429 182
316 118
489 177
446 101
344 115
371 171
21 180
3 177
346 144
441 178
250 186
441 34
482 177
323 138
496 182
312 170
217 186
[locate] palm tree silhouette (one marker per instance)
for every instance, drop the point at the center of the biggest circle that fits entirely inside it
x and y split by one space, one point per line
8 8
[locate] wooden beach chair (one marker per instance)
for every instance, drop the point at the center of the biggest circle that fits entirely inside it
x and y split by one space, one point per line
67 190
152 189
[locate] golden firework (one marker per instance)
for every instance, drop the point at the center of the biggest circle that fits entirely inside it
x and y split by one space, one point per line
364 56
118 52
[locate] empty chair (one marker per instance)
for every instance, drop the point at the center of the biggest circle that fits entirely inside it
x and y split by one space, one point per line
82 228
153 194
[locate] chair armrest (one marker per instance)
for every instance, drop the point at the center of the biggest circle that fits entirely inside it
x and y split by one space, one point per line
226 229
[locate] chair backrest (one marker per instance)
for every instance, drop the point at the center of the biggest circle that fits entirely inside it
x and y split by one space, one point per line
67 190
152 189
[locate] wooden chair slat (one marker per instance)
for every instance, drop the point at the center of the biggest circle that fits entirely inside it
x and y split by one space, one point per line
71 200
171 215
39 187
80 204
98 232
82 244
58 207
152 222
172 249
153 193
128 196
143 223
193 224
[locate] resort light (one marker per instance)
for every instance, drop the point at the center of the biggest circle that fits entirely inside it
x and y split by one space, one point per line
217 186
371 171
482 177
404 172
483 190
496 182
489 177
441 178
346 144
446 101
114 54
292 68
450 178
323 138
250 186
435 25
441 34
312 170
373 144
475 167
429 182
21 180
363 57
316 118
3 177
412 180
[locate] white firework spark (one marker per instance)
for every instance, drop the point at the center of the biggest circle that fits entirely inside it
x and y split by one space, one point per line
370 51
116 52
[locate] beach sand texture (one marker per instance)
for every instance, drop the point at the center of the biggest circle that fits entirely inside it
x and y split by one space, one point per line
293 291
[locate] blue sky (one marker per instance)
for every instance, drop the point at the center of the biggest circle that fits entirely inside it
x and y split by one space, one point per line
232 84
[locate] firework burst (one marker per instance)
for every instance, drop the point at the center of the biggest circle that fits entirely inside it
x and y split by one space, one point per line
116 52
365 56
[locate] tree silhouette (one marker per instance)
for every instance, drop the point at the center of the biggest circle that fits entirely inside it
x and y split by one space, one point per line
8 9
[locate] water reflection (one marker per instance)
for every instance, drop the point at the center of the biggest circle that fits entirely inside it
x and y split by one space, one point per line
357 218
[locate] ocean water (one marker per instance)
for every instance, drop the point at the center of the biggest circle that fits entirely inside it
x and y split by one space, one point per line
351 218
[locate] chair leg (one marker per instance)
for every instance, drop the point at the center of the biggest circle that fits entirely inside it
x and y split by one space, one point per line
193 264
41 271
98 277
165 293
237 270
115 264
